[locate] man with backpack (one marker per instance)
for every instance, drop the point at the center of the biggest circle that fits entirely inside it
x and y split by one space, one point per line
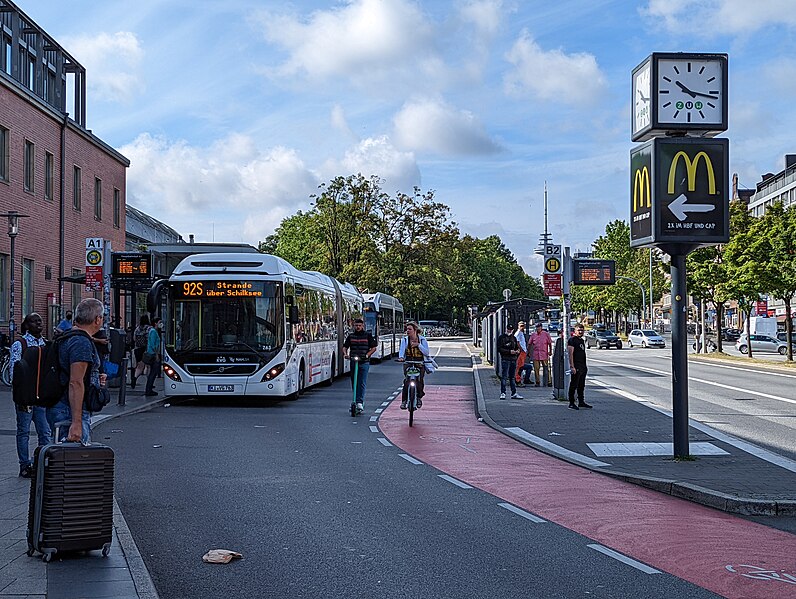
31 328
508 348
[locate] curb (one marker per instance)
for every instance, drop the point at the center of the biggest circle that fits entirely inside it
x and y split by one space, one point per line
745 506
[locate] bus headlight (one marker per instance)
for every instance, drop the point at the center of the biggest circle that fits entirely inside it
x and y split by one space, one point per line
171 373
272 373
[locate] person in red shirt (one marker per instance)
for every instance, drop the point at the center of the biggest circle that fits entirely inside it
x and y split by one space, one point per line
542 346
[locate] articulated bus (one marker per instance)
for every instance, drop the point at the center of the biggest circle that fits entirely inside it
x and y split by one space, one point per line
251 324
384 319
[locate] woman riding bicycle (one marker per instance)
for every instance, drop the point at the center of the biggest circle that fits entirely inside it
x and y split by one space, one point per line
414 347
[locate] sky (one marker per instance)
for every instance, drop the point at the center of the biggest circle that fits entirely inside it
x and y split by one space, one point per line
233 113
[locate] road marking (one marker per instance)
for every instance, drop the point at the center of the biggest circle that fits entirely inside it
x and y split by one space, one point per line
755 370
453 481
384 404
374 418
557 449
632 450
384 442
523 513
624 559
703 381
378 410
410 459
749 448
374 429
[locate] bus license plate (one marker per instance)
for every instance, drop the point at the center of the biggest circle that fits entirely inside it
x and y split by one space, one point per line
220 388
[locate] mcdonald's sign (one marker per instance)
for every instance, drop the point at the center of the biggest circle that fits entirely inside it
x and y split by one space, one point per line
679 193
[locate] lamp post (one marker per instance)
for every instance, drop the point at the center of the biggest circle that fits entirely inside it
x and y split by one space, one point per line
13 230
643 298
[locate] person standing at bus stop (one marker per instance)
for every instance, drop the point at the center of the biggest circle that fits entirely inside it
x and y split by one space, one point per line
360 345
576 347
509 348
542 347
520 335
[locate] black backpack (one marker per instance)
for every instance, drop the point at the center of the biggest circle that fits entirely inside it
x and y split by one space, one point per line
37 375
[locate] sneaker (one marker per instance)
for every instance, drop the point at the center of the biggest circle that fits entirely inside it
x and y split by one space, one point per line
419 403
359 408
572 406
516 396
403 404
537 384
520 384
583 404
502 396
26 471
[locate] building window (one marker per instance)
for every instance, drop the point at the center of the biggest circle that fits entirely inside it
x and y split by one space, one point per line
76 186
31 73
77 292
27 286
7 54
48 176
97 199
30 159
4 135
117 208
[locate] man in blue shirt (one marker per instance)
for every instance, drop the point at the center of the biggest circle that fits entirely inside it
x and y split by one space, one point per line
80 365
65 325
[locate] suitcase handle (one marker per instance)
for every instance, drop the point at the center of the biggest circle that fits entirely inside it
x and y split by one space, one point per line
57 432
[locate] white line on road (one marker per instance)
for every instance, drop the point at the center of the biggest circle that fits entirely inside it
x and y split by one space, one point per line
624 559
410 459
385 442
374 418
557 449
523 513
374 429
453 481
384 404
378 410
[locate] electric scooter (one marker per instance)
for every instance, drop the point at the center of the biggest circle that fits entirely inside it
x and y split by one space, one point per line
354 410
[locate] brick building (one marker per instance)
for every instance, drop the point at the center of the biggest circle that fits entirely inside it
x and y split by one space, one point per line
68 181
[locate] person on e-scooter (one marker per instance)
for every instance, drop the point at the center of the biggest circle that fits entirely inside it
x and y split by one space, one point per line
360 345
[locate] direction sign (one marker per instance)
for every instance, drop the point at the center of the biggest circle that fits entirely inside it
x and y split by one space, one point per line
552 285
679 192
552 258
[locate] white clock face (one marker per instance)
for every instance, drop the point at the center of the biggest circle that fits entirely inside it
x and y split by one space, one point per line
641 98
690 91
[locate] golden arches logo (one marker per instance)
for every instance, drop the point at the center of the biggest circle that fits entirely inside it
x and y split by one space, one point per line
691 169
641 186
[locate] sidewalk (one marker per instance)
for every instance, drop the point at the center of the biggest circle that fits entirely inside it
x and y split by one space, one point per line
629 439
121 575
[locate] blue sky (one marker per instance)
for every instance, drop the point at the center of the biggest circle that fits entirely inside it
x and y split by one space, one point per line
233 112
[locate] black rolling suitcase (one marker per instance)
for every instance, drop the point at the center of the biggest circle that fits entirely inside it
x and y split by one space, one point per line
71 499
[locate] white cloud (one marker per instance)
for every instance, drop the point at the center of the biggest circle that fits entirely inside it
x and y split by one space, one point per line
433 126
552 75
112 62
231 184
377 156
724 16
485 15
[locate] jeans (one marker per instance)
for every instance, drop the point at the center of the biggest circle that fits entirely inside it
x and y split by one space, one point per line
24 417
362 380
154 368
577 383
508 368
62 411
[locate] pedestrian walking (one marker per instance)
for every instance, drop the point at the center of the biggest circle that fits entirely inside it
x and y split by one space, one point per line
140 338
576 347
520 335
360 344
509 348
153 350
541 348
31 328
80 366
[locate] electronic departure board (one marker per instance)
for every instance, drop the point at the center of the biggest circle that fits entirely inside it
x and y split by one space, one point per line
129 265
594 272
218 289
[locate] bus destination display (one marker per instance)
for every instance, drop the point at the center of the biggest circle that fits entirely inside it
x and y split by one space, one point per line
594 272
219 289
131 266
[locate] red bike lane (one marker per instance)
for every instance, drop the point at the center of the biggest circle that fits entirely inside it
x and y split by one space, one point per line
712 549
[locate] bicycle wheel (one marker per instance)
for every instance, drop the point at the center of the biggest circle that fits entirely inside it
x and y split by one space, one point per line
411 396
5 374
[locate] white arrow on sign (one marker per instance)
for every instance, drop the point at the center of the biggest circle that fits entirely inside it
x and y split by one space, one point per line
679 207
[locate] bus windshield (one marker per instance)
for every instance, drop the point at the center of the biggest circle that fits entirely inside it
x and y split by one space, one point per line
370 317
253 322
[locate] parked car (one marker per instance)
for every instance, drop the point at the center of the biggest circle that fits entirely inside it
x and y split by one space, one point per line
731 335
602 339
762 343
645 338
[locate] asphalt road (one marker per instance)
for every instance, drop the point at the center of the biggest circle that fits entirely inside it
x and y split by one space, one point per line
320 507
753 405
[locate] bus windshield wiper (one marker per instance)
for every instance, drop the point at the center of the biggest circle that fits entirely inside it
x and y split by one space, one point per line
242 343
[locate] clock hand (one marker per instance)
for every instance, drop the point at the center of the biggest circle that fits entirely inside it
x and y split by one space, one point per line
685 89
643 99
705 95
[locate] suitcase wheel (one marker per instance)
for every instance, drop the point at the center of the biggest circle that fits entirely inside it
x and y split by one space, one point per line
31 551
46 557
106 549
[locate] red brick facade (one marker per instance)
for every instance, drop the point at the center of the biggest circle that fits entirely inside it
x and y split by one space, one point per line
26 118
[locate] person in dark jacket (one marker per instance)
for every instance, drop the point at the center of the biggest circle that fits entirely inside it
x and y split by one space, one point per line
508 348
577 366
360 345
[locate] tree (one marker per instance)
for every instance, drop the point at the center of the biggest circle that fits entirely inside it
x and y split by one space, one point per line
708 279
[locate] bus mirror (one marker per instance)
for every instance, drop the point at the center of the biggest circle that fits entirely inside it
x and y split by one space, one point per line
293 315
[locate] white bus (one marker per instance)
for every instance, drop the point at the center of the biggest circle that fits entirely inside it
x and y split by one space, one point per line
384 319
251 324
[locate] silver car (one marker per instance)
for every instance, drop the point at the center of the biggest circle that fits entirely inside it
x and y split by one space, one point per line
646 338
762 343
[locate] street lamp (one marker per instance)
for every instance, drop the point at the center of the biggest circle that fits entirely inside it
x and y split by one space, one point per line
13 230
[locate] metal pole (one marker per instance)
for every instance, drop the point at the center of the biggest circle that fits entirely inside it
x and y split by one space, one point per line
123 382
679 357
11 326
643 299
652 321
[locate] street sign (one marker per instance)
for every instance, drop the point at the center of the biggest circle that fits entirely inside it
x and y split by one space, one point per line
679 192
594 272
552 285
93 278
132 266
94 253
552 259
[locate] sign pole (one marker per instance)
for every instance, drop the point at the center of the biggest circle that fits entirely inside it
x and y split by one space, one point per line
679 356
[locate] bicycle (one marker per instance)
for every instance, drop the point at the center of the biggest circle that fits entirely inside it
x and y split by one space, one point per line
5 362
412 373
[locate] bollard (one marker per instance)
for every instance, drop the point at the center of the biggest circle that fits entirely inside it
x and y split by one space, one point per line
123 385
